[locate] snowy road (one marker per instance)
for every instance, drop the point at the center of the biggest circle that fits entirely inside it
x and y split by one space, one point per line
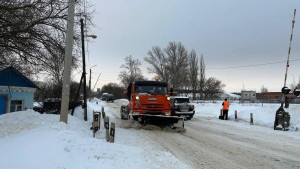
211 143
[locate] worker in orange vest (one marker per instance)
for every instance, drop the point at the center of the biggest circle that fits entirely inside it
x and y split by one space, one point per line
225 109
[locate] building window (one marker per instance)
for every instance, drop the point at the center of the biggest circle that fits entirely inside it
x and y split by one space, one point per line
16 105
253 94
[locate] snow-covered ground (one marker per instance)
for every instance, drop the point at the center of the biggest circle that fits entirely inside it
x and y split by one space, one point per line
263 115
30 140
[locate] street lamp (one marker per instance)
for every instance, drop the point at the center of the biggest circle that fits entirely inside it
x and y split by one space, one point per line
83 65
93 66
92 36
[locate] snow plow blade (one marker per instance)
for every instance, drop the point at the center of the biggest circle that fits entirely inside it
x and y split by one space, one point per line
170 121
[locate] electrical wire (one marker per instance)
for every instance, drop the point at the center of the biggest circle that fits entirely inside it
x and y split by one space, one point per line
254 65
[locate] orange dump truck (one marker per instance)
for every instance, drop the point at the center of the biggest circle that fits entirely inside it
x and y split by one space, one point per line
149 102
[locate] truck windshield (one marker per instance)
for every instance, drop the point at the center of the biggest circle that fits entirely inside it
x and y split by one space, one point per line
156 90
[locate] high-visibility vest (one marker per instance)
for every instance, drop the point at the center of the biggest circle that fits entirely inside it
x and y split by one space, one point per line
225 105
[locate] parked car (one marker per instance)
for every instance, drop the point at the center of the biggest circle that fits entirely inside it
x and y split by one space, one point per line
103 96
110 98
181 106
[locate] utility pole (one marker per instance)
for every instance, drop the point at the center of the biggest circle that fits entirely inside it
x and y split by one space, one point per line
84 72
68 60
78 93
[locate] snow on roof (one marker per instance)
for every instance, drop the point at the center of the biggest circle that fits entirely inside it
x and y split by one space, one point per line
183 97
233 95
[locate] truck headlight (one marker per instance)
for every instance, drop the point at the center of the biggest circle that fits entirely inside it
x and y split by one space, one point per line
168 98
137 98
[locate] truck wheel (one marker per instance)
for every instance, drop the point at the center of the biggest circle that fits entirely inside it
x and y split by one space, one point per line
121 113
135 118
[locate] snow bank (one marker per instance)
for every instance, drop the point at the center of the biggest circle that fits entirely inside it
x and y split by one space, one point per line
30 140
262 115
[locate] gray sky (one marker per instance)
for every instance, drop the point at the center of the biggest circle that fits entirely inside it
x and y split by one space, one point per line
227 32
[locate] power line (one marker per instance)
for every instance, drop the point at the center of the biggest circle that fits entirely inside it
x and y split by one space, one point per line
254 65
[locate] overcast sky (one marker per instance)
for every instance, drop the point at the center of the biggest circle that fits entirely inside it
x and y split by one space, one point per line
228 33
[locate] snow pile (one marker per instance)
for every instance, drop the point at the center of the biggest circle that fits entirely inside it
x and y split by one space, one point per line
30 140
262 115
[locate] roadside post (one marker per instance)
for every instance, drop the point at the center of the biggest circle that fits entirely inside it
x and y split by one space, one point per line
235 115
96 122
251 118
103 113
112 133
106 125
221 117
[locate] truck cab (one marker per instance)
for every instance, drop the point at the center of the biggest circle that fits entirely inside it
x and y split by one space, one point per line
149 97
149 102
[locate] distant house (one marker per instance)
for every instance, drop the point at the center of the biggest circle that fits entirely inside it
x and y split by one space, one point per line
248 95
16 91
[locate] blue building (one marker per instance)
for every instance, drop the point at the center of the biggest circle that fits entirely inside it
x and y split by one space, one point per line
16 91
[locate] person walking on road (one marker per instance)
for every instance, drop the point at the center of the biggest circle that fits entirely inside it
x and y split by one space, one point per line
225 105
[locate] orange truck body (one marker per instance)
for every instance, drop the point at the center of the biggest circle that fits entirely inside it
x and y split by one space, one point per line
141 103
150 102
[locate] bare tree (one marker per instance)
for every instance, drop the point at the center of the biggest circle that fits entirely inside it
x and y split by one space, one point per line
32 35
131 72
263 89
193 72
177 64
212 87
202 77
158 63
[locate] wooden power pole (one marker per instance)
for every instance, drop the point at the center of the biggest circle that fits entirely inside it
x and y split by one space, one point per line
84 72
68 61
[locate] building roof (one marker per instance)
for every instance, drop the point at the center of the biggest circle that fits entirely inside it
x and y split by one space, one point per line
12 77
248 91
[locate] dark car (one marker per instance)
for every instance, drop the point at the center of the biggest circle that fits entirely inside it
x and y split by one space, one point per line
104 96
110 98
181 106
